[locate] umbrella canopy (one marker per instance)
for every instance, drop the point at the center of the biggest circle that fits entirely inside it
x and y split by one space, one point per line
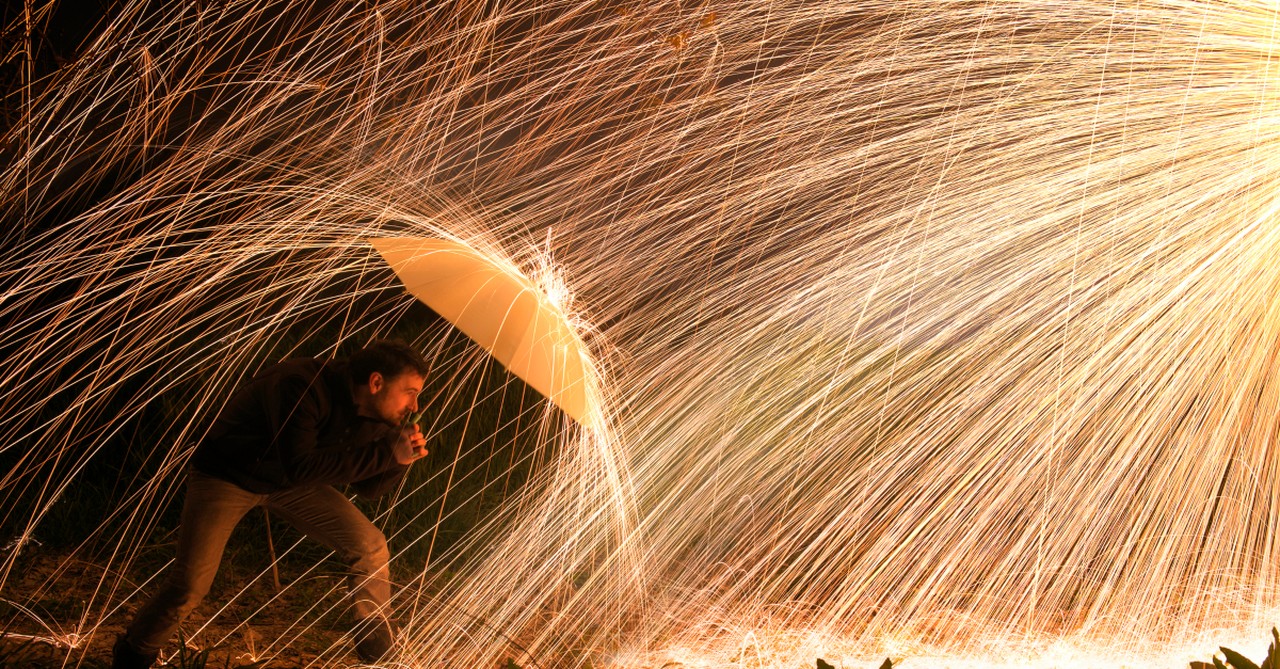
499 308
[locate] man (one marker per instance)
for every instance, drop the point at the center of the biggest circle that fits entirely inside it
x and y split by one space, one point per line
283 442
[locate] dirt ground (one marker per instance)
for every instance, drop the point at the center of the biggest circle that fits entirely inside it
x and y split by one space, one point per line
253 625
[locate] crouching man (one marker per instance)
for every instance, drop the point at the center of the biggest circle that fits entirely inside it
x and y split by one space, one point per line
283 442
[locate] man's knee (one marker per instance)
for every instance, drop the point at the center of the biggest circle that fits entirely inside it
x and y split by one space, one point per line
370 552
184 592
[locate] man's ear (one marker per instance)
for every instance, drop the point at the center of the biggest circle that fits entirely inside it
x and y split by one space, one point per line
376 382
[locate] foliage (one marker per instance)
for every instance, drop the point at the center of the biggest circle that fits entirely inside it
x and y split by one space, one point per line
187 658
823 664
1235 660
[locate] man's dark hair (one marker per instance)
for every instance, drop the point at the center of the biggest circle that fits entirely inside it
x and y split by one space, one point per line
390 358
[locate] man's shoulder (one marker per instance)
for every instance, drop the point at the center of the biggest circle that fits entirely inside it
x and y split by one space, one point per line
307 369
321 376
305 375
311 366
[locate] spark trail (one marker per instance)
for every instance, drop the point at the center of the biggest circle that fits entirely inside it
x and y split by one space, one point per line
927 325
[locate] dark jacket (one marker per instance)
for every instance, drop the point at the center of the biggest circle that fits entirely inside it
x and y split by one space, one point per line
295 424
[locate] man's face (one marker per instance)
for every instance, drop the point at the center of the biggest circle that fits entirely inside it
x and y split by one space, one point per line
393 400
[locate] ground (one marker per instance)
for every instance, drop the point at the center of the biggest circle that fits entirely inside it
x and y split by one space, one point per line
38 625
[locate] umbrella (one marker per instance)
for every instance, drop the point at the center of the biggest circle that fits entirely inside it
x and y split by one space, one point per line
499 308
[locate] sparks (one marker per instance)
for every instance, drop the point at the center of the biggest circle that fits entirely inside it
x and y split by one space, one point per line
941 328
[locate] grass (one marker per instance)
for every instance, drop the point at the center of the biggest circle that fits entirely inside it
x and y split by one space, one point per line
189 658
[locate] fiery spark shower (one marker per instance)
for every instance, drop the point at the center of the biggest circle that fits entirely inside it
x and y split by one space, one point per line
931 327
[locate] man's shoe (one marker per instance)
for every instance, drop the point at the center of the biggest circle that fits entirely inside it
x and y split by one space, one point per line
124 656
374 640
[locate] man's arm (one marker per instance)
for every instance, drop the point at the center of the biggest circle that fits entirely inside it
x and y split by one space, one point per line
298 411
409 447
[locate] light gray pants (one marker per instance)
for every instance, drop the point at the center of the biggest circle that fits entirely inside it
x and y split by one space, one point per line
212 509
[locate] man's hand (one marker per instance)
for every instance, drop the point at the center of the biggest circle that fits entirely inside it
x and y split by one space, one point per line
411 445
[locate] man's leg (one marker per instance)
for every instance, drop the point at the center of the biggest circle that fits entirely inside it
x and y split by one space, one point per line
211 510
326 515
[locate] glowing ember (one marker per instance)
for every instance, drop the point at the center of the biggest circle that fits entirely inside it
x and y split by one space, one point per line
934 329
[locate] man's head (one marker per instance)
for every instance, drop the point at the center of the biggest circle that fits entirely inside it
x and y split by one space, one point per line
387 377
